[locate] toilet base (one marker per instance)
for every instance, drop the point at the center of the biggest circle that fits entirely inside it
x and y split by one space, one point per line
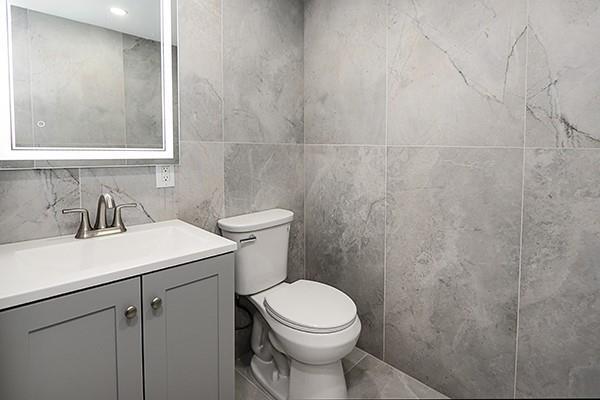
267 376
317 381
304 382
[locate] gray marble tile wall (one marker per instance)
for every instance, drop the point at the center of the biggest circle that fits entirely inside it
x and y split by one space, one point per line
451 186
125 109
443 170
219 173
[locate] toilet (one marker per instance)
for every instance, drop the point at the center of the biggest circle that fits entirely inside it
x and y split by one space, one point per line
302 330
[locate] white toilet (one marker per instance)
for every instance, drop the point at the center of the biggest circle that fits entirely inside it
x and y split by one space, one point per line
305 328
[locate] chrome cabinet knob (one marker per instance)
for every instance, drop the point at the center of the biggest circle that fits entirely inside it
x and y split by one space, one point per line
156 303
130 312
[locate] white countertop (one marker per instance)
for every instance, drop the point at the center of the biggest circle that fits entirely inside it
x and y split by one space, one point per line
38 269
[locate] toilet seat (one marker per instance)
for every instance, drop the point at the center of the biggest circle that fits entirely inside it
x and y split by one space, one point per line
311 307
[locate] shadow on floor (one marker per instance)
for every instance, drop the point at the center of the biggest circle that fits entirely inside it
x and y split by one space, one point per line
367 378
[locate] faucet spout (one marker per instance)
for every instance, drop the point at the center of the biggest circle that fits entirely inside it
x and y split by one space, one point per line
104 201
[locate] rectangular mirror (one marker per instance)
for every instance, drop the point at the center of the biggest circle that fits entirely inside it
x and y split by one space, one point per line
88 80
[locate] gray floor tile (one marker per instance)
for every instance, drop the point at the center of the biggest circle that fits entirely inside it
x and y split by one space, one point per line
246 390
366 376
374 379
352 359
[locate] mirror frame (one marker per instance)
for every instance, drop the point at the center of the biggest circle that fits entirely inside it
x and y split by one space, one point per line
8 152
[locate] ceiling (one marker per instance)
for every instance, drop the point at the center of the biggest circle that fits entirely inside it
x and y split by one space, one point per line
142 19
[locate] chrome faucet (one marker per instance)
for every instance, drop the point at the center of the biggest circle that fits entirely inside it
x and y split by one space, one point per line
85 230
104 201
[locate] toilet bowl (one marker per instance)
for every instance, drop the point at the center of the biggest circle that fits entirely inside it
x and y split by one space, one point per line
303 329
314 352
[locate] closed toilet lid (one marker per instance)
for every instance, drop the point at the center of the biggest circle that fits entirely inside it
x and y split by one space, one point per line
311 307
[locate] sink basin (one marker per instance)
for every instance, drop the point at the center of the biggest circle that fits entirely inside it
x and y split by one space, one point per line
38 269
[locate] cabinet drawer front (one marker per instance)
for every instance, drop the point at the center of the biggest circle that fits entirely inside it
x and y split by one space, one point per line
75 346
188 334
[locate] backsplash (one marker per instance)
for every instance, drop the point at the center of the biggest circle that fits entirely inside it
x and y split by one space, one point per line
216 176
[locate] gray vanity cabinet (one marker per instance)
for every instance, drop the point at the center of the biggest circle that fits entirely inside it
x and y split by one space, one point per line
188 331
177 343
72 347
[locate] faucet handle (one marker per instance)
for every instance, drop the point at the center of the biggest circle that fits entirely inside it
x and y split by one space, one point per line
117 219
84 226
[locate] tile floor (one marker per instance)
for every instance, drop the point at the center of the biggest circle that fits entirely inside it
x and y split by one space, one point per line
367 378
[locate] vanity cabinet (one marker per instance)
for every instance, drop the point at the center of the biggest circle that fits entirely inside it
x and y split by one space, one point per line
117 341
76 346
188 339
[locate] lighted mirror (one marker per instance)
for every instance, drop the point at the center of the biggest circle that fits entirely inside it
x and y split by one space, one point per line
87 80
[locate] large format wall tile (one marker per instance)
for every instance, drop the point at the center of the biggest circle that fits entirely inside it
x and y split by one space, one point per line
31 202
21 77
563 79
129 185
457 72
143 92
200 70
345 229
453 230
263 71
344 63
260 177
68 61
559 320
199 184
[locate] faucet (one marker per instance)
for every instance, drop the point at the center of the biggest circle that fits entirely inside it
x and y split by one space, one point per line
104 201
85 230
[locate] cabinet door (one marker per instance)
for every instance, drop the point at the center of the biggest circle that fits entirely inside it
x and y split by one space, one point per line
72 347
188 340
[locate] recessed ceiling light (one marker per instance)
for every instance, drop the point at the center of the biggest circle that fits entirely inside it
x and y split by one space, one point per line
118 11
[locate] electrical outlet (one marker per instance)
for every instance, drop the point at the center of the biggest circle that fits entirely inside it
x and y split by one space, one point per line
165 176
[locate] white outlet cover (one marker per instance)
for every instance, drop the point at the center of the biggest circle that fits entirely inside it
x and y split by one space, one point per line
165 176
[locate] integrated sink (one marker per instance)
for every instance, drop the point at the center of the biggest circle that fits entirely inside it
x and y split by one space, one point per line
38 269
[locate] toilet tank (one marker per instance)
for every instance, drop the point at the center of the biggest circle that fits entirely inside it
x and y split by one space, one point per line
263 239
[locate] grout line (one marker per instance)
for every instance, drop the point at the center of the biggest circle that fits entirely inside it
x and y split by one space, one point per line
522 211
385 176
253 384
414 146
400 371
223 208
304 131
357 362
223 70
264 143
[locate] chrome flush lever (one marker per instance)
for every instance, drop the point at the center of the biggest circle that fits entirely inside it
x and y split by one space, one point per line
249 239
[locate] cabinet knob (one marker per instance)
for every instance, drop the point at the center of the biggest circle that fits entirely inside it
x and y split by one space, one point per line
156 303
130 312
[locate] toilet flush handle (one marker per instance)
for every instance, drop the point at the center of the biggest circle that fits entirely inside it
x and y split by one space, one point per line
249 239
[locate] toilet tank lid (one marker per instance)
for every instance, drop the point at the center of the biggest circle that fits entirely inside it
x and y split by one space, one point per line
256 221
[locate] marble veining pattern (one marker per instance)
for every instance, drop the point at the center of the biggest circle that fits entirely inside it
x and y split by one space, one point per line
560 288
200 184
456 72
263 71
344 79
143 92
453 231
200 70
259 177
345 229
31 202
563 93
129 185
